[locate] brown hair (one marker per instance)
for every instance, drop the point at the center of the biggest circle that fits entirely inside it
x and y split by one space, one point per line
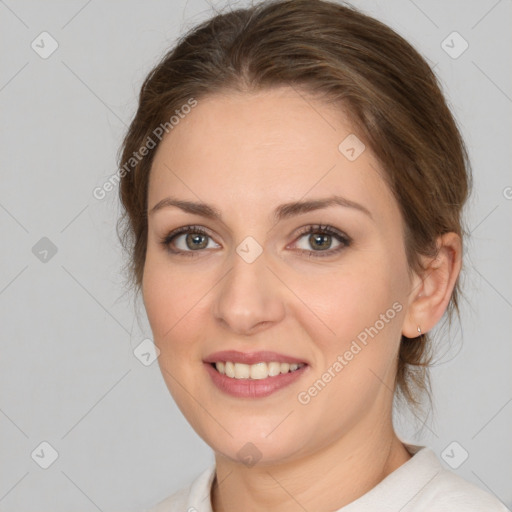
387 88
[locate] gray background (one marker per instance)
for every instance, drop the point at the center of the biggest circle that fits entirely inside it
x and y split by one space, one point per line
68 373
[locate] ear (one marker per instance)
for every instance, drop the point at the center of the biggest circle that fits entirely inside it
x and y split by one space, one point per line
431 291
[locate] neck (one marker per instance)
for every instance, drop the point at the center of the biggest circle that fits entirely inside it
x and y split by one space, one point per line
349 467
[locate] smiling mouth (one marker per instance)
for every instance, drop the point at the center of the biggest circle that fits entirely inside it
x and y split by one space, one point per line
256 371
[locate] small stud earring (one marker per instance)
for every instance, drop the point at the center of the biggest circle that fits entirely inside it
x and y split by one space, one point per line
419 330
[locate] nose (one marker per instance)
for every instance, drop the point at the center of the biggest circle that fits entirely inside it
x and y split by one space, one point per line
249 299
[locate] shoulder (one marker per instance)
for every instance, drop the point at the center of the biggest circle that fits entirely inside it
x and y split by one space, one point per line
423 484
443 490
448 492
194 497
176 501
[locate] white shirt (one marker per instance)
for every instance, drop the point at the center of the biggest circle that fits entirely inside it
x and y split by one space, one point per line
421 484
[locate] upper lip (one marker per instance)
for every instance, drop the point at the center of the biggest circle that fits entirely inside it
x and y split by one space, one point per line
251 357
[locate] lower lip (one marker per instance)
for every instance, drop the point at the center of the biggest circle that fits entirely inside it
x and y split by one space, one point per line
253 388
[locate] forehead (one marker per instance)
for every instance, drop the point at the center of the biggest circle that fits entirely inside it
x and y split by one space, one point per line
265 124
273 145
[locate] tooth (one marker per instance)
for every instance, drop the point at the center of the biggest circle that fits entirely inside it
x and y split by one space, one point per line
274 369
256 371
229 369
259 371
242 371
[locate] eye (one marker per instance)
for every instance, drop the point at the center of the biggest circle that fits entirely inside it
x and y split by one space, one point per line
320 239
187 240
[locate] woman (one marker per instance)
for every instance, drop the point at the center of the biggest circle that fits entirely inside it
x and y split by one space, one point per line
293 184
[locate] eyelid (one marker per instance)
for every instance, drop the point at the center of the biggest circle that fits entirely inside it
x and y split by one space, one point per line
323 228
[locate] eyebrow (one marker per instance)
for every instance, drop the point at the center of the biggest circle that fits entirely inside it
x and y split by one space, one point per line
282 212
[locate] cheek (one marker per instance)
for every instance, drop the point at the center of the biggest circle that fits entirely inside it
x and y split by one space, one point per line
174 308
362 300
172 303
356 333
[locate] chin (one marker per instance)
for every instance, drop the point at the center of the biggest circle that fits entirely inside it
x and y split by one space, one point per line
253 452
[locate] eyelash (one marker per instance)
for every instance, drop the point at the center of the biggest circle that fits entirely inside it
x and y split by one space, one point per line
317 229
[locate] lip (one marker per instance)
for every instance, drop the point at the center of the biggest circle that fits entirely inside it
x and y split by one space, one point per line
265 356
253 388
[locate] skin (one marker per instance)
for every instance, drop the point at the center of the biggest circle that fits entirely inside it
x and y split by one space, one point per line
245 154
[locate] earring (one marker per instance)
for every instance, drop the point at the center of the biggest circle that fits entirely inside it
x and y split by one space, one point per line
419 330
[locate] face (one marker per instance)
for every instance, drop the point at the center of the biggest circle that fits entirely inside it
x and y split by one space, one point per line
326 284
